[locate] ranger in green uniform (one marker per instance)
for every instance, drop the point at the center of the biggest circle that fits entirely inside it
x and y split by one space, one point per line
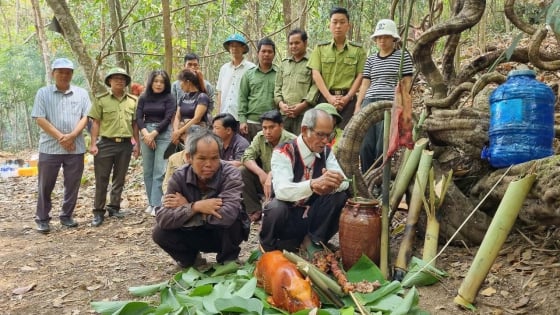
337 67
114 125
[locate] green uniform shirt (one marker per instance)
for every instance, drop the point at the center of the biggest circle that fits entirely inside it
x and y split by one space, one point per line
115 116
260 150
294 83
256 93
338 68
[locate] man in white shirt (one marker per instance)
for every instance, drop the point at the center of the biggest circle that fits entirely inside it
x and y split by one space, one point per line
229 78
309 186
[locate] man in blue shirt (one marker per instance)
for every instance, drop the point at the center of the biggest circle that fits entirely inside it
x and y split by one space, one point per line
60 110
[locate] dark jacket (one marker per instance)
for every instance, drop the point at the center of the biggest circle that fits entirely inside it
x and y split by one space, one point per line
226 184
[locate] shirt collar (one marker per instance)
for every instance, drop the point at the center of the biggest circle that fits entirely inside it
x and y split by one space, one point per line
56 90
304 150
291 57
333 44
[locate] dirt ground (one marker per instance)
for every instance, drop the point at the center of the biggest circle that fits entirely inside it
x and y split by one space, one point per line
62 272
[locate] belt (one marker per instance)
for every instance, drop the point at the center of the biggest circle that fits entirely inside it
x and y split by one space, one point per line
338 92
117 139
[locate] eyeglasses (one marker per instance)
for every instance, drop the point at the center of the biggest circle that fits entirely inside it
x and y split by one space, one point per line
323 135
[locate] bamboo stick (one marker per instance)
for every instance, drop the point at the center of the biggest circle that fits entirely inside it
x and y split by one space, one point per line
384 242
405 175
414 208
494 239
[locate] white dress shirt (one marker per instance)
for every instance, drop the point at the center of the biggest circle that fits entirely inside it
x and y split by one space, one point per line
285 188
228 83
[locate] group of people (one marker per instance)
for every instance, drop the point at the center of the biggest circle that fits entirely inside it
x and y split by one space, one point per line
260 146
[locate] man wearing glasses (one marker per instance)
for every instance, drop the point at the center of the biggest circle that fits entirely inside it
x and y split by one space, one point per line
309 186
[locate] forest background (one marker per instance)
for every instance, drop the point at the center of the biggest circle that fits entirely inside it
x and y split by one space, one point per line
144 35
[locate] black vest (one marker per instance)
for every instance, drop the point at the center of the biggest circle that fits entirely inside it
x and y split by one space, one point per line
292 150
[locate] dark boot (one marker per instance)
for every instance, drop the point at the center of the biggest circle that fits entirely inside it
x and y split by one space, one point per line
114 212
98 217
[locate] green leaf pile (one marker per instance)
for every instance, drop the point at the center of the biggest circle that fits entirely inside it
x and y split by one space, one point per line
232 289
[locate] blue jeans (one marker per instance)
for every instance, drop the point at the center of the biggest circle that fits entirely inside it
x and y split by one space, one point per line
154 165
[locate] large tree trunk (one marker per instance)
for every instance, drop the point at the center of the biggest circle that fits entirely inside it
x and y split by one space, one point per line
114 8
72 35
43 45
168 64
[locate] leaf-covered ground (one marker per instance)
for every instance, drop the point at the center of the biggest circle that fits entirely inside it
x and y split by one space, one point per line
62 272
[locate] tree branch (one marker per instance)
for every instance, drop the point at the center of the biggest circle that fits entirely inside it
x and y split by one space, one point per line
469 15
534 52
515 20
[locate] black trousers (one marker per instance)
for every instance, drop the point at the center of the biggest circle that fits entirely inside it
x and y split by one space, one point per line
185 243
112 157
283 225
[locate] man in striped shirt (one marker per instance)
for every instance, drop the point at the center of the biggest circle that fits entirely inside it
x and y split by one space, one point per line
60 110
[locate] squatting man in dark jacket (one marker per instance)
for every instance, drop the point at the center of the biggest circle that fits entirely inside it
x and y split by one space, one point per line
201 210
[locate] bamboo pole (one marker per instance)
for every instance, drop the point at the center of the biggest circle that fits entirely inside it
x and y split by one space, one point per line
494 239
414 209
406 173
437 196
384 250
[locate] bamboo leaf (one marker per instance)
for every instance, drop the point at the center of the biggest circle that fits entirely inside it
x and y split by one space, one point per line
427 276
248 289
201 290
147 290
168 298
238 304
390 288
511 48
190 276
121 307
365 269
409 301
387 304
552 15
230 267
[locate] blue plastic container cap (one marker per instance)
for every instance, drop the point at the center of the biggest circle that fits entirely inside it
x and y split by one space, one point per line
521 120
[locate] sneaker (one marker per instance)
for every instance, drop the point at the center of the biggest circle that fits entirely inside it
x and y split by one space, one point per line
43 227
68 222
115 213
149 209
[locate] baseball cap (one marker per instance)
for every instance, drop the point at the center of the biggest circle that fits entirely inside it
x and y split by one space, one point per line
62 63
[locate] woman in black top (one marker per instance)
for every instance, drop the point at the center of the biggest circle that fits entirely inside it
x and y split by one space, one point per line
155 110
193 105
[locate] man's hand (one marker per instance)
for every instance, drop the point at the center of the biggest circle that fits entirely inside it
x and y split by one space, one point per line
267 187
136 150
243 128
327 183
176 136
93 149
174 200
298 109
209 206
67 142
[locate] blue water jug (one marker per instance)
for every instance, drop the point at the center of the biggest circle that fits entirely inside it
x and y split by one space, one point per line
521 120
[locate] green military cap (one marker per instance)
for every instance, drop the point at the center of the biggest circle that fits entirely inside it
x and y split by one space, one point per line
114 71
329 109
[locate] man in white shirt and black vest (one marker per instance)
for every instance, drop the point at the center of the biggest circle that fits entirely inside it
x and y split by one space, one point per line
309 186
